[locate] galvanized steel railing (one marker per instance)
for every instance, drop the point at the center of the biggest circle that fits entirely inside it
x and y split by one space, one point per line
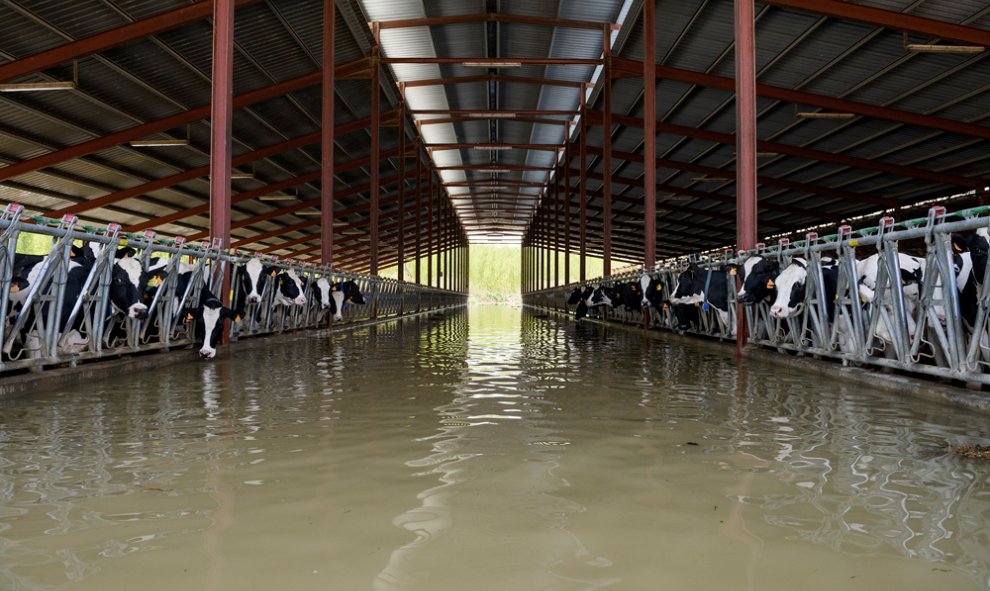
922 332
38 313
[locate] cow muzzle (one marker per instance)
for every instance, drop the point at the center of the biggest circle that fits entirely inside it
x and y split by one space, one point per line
138 311
205 353
300 301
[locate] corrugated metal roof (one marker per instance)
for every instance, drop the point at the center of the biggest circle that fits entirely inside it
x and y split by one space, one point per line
147 79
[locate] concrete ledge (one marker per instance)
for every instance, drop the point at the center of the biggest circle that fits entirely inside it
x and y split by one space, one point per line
894 383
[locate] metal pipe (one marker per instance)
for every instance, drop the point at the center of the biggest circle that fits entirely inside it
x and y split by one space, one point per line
746 208
327 136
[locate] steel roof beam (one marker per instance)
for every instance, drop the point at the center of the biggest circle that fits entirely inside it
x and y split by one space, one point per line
633 68
494 61
888 19
493 17
784 149
157 126
494 78
763 180
111 38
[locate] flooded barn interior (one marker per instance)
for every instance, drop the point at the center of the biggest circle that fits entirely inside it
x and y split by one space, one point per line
242 345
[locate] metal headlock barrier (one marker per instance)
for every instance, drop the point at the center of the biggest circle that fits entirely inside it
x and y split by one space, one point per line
34 315
899 322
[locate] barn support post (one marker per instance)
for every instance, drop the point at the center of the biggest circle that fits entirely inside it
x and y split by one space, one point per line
548 245
649 135
327 136
607 151
745 140
419 210
401 247
567 212
430 226
375 131
556 224
583 193
221 120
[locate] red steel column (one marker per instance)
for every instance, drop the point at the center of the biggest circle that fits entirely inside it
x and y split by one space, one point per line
221 122
402 195
375 123
556 224
419 208
649 135
429 229
583 192
326 155
745 139
567 209
607 151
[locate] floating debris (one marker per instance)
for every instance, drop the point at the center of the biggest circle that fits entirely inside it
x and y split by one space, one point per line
979 452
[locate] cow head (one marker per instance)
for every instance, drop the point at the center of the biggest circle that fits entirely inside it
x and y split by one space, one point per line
977 244
209 318
289 289
253 280
649 290
758 275
346 292
690 286
323 292
790 290
599 297
575 297
127 287
581 311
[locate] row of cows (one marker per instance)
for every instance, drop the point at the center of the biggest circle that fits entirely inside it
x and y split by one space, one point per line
875 290
147 294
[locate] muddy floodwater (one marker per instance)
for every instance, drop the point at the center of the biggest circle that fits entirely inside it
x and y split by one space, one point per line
487 449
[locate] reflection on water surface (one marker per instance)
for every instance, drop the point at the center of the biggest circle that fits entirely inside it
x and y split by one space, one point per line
487 450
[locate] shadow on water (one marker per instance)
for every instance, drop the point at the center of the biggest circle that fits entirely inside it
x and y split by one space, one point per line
489 449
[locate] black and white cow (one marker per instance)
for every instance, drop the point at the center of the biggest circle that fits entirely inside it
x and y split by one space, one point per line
698 286
758 276
791 286
342 294
289 289
911 270
208 322
627 294
124 293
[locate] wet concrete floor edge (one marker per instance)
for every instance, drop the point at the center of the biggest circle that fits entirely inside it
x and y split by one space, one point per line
35 383
901 385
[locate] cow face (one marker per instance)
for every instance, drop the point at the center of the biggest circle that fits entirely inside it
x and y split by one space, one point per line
323 292
599 297
790 291
209 323
352 294
345 292
690 286
289 289
253 280
575 297
758 276
977 244
126 288
582 310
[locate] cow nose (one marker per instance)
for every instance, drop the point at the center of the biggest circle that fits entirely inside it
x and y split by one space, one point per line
254 299
777 311
301 300
207 353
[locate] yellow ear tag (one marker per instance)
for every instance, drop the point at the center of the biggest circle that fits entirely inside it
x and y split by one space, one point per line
189 318
237 318
732 271
770 284
155 281
273 273
15 288
659 287
956 247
